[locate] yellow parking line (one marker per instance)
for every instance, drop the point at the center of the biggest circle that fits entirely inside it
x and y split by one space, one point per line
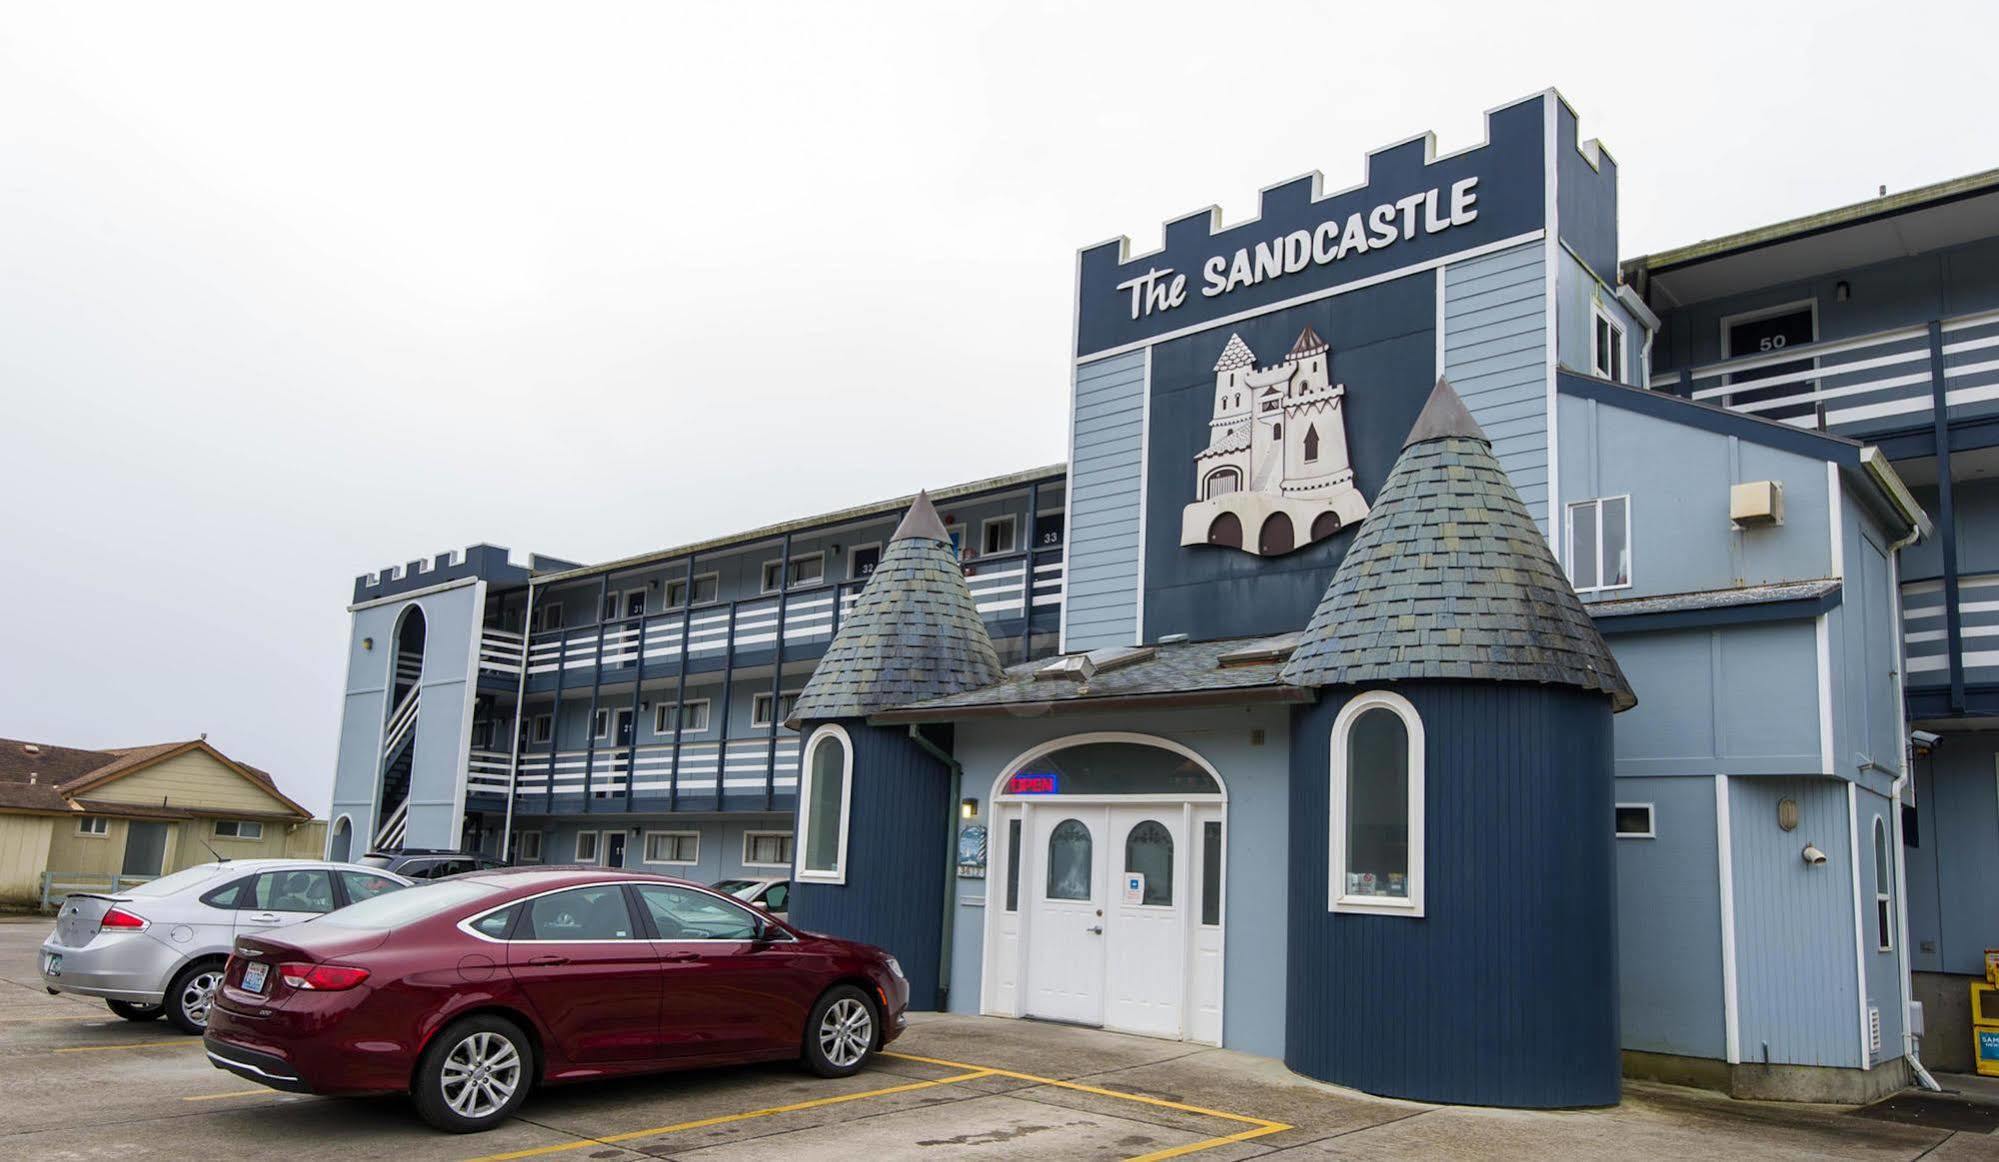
234 1093
183 1043
724 1119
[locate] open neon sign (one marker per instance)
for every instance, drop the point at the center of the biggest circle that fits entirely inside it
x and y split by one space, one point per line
1027 783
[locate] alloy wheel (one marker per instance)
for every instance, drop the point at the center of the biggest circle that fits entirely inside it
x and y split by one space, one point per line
198 995
481 1074
846 1032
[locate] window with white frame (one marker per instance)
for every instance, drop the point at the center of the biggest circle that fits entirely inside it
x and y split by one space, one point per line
1606 345
549 616
1375 816
600 723
586 847
673 847
767 849
96 826
1884 892
808 569
238 829
760 704
612 600
706 586
862 560
998 535
1600 543
1634 821
823 803
543 729
693 717
526 847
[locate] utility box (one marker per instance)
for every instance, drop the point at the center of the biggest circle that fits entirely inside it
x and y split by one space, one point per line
1757 503
1985 1017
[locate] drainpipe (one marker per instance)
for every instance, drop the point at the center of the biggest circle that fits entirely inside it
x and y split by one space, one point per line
514 745
950 864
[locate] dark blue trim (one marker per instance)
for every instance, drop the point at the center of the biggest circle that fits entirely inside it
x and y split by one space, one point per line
1748 613
776 669
1946 522
1970 435
1981 700
488 562
1708 417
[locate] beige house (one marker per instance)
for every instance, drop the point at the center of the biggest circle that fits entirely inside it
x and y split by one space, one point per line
86 816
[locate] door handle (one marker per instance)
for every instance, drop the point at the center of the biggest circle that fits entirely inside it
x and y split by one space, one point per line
681 957
264 918
1098 929
547 961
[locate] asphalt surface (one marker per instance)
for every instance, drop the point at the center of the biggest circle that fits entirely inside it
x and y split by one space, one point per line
80 1083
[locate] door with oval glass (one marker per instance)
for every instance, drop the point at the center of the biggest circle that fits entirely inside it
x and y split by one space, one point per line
1065 970
1147 934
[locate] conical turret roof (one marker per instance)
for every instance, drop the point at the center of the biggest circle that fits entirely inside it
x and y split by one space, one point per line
1308 344
914 633
1450 578
1235 355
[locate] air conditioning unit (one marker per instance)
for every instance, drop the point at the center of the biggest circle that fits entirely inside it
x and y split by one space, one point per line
1757 503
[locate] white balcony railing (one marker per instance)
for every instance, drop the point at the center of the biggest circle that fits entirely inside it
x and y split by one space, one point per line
647 769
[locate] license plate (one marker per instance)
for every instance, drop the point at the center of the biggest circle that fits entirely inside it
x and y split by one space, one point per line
254 976
52 963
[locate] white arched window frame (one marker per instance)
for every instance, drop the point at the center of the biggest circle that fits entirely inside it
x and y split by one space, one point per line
827 735
1336 814
333 836
1884 889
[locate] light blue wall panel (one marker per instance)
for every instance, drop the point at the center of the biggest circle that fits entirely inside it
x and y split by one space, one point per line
1954 865
1739 699
1796 983
720 855
1257 779
1105 474
1867 722
1883 966
1496 356
1576 294
1669 922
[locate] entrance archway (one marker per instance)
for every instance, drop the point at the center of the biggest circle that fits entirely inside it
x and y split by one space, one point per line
1105 902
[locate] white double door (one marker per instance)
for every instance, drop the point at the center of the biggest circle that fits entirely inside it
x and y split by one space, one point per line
1109 891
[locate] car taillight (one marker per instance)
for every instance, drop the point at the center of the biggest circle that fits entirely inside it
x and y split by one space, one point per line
120 918
331 978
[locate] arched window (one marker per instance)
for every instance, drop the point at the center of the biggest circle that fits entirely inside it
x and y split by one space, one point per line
1148 850
1069 850
1884 894
1375 815
1311 443
1221 482
1277 535
341 849
823 805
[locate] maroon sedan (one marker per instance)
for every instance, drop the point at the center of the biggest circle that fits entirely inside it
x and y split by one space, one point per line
466 991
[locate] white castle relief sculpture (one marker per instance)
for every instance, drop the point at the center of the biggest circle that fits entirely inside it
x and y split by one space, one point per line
1275 475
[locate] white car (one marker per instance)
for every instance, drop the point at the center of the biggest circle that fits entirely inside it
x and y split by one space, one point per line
158 949
773 896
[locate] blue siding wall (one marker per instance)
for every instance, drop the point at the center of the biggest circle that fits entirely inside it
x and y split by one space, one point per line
1739 699
1505 991
1796 987
1883 968
1585 197
1105 495
1579 294
1496 356
1954 864
1669 922
897 833
720 855
1867 708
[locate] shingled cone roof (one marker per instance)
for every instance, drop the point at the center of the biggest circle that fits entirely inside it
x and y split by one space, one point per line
915 632
1449 578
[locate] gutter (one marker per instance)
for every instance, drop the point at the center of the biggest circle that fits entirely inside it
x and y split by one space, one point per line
950 863
1890 482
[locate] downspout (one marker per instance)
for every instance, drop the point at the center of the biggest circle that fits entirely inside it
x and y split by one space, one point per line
1911 1043
514 744
950 864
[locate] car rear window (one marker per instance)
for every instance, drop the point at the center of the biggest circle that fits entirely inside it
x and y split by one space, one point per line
409 905
179 881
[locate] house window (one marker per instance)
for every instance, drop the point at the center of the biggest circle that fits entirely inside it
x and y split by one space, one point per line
693 717
611 600
673 847
767 849
805 570
1606 346
707 586
1634 821
600 723
1211 873
635 603
1600 543
544 728
238 829
760 716
586 847
997 535
862 561
1311 443
1375 824
527 846
93 825
550 615
1884 896
1013 865
822 807
1221 482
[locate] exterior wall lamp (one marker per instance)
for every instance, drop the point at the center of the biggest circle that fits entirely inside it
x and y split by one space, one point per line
968 807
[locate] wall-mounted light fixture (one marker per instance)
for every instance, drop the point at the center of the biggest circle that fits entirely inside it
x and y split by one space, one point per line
367 643
1813 857
1787 814
969 807
1842 290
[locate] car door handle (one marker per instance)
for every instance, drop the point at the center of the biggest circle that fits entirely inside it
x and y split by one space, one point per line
547 961
264 918
1098 929
680 957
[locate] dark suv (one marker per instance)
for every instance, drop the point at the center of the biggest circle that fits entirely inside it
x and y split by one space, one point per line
426 864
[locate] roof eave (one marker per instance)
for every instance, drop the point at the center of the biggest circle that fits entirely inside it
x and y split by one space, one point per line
1170 700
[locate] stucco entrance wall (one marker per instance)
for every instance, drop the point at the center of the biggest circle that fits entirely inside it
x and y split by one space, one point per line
1249 746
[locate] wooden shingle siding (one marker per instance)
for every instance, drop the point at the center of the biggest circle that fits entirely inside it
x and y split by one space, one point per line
1495 355
189 780
1101 605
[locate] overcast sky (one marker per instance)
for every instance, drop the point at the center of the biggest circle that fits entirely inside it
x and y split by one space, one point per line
291 294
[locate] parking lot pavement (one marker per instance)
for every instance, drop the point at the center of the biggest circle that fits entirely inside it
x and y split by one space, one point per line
80 1083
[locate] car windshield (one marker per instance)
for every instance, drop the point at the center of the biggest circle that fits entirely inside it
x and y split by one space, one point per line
179 881
733 887
409 905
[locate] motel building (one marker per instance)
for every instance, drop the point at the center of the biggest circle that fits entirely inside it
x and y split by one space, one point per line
1458 660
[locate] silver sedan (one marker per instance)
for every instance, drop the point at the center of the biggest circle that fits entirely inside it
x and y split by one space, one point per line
158 949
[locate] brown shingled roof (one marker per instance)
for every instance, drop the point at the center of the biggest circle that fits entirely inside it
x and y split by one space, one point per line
39 776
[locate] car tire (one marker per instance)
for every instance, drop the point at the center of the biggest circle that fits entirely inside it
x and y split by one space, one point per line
842 1032
451 1091
136 1012
190 995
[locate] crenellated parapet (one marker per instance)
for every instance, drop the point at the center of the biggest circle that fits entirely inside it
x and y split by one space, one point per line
488 562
